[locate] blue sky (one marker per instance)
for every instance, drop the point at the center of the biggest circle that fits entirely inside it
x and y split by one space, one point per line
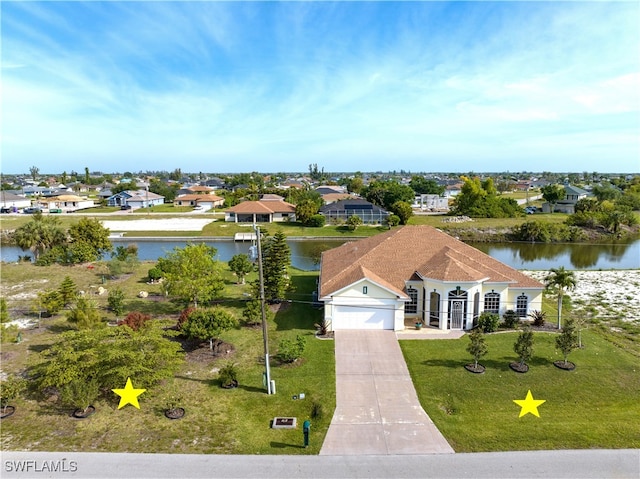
269 86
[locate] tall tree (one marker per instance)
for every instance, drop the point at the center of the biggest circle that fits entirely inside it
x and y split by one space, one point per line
560 280
423 186
89 240
40 234
192 273
86 175
385 193
68 290
276 259
552 194
34 170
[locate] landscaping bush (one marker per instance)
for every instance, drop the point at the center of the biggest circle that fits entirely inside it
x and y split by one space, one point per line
317 221
9 334
289 351
135 320
511 319
154 274
538 317
115 301
228 375
488 322
316 410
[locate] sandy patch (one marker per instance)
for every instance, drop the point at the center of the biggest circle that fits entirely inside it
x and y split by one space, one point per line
611 294
173 224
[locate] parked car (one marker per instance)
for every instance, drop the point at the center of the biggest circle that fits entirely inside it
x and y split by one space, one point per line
125 207
55 210
530 210
4 210
198 208
31 210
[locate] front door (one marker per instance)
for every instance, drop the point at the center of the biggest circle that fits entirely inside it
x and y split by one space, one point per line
457 310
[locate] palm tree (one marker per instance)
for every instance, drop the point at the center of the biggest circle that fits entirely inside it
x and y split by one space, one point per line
561 280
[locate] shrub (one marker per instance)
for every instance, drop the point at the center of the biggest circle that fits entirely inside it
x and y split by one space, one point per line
79 394
538 317
116 301
317 410
184 316
11 389
488 322
4 311
135 320
393 220
154 274
9 334
289 351
511 319
317 221
228 375
322 327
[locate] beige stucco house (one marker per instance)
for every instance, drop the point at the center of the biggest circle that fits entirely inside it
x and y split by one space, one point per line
418 274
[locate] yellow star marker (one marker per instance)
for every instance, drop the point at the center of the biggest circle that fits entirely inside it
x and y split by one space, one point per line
128 395
529 405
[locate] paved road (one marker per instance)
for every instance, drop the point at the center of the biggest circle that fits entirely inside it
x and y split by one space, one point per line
587 464
377 408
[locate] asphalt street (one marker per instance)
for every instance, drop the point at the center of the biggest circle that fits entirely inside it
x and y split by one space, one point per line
571 464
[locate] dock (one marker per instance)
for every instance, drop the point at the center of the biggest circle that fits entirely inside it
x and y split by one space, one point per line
244 237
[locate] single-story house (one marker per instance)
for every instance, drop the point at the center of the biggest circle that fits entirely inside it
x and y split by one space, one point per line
269 209
9 199
207 201
135 199
329 198
66 203
418 274
343 209
568 203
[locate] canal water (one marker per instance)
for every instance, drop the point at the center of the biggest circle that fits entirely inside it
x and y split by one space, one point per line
305 253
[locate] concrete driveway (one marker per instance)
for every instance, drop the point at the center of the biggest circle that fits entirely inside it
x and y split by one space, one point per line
377 408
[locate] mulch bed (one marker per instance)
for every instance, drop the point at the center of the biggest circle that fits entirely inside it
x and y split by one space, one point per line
199 352
175 413
569 366
7 411
83 414
471 367
519 368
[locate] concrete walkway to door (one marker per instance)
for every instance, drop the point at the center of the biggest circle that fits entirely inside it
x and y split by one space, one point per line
377 408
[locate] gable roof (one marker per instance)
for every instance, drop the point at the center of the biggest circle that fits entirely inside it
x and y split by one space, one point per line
400 254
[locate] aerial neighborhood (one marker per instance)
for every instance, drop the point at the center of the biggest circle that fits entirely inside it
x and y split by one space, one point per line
337 295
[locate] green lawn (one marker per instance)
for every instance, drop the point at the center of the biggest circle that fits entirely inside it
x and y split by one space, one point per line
217 420
594 406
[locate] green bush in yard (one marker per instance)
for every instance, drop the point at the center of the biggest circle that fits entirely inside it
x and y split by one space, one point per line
289 350
511 319
488 322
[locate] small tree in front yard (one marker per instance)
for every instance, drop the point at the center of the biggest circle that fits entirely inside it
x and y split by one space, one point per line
252 313
115 300
240 265
567 340
477 346
80 393
353 222
209 324
10 389
289 350
523 346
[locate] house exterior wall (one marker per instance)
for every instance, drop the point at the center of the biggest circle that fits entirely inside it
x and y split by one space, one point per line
375 297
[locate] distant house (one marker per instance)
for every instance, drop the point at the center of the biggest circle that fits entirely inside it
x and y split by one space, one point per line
269 209
567 205
207 201
215 183
418 274
342 210
333 197
135 199
66 203
427 202
331 189
10 199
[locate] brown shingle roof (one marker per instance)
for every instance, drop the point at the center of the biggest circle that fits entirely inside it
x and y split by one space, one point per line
270 206
197 198
396 256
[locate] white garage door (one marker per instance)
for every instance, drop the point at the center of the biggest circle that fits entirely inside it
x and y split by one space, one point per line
351 317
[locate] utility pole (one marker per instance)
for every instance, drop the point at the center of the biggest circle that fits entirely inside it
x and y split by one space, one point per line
262 308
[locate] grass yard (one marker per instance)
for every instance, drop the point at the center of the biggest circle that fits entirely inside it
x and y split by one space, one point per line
233 421
594 406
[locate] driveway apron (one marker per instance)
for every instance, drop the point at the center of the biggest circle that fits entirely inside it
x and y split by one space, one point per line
377 408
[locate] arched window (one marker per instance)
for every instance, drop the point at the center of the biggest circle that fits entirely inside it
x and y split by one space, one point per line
412 306
492 302
522 304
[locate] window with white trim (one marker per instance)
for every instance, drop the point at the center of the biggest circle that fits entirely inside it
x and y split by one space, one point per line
522 303
412 306
492 302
